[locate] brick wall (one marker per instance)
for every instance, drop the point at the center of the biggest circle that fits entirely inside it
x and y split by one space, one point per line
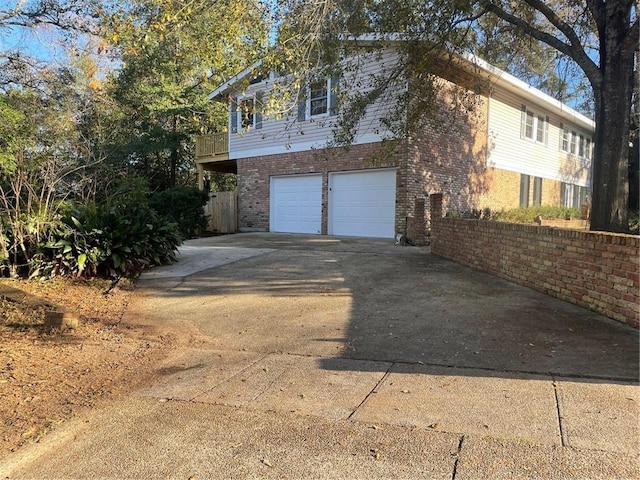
503 190
447 153
596 270
254 175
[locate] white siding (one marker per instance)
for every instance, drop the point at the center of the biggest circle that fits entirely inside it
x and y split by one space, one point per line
286 134
507 149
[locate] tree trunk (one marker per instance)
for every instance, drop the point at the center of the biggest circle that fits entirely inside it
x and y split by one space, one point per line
174 152
611 151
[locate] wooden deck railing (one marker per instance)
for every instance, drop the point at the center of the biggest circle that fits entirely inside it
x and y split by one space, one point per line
212 145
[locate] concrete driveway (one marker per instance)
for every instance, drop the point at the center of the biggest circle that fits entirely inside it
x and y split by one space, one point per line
322 357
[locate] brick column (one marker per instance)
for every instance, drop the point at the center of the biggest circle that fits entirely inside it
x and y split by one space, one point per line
419 222
435 201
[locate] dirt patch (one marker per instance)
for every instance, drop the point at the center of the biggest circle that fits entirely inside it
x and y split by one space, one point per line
49 377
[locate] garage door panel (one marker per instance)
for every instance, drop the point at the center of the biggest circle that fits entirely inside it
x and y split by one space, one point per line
296 204
363 203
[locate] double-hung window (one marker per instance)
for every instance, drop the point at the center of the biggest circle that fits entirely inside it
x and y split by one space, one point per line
574 140
319 99
534 126
566 135
541 129
246 113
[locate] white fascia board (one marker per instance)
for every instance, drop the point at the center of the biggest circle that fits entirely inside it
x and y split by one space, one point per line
228 85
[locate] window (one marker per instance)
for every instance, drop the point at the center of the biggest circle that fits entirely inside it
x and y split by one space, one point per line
528 132
246 113
537 191
564 143
524 190
321 98
581 146
540 129
533 127
574 138
572 196
587 149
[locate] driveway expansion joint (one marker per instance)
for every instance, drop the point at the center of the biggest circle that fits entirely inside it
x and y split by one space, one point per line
457 458
373 390
563 435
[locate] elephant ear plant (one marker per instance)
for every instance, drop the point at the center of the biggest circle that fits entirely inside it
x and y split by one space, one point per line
121 241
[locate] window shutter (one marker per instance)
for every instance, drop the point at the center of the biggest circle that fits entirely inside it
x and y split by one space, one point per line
258 107
563 194
302 106
523 121
546 130
561 136
234 115
333 95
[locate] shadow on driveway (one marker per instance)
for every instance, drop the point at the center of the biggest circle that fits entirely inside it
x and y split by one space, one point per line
374 301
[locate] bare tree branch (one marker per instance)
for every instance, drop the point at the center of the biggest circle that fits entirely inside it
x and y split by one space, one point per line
574 51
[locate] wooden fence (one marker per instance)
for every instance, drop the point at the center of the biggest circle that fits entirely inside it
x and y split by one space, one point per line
222 209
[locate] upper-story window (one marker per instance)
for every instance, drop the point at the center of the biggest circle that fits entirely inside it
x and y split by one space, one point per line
318 99
246 113
575 143
534 126
566 138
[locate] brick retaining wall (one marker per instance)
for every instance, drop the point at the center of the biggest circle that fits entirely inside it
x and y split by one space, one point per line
596 270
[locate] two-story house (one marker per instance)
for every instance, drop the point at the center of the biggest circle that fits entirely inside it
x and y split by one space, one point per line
516 147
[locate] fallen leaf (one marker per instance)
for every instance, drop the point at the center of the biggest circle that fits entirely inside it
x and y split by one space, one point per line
376 427
266 462
435 426
405 391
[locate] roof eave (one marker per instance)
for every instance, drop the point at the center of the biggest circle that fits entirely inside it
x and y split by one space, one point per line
233 81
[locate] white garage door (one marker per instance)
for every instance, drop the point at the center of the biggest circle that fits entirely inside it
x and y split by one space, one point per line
362 203
296 204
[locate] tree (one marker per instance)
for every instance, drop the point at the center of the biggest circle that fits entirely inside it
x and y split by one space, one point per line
20 63
174 54
599 37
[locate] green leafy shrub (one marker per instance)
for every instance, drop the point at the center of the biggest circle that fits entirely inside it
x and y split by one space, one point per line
529 215
91 241
184 206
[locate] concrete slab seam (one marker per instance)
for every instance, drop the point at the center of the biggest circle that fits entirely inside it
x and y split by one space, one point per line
563 438
267 387
574 376
212 387
457 455
259 254
373 390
